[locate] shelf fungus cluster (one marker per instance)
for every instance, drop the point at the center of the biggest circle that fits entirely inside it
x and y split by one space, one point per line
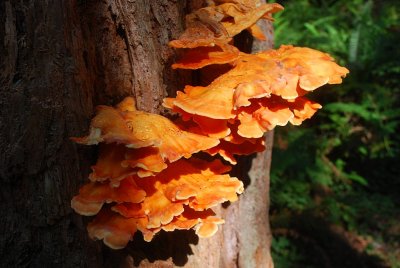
146 178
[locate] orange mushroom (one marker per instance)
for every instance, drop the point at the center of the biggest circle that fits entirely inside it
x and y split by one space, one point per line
110 127
210 29
200 34
204 189
138 129
264 114
172 142
303 109
289 72
215 128
115 162
262 117
176 198
193 182
217 99
231 90
207 55
116 230
238 17
256 32
147 160
108 166
228 150
311 68
250 90
93 195
227 19
141 171
205 223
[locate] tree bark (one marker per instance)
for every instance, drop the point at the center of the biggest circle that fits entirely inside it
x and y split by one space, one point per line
61 58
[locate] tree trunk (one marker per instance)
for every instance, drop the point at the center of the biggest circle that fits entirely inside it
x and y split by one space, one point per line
61 58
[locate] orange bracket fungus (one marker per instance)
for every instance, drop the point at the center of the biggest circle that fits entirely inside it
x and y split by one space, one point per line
146 179
209 32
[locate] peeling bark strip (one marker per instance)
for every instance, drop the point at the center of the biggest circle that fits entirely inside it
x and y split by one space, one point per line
58 59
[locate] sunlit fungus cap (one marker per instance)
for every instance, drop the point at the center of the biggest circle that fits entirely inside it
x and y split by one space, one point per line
216 128
210 29
289 72
196 183
219 23
248 79
238 17
172 142
110 127
212 101
312 68
204 189
137 129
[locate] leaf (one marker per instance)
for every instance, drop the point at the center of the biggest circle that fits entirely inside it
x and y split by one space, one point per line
357 178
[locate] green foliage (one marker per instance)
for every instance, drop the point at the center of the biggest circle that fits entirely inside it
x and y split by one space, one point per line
343 164
289 254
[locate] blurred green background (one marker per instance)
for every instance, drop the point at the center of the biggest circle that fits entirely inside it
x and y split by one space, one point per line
335 180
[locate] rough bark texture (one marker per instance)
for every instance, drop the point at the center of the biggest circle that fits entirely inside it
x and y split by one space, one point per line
58 60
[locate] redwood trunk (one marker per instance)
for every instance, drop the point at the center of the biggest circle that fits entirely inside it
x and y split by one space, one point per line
59 59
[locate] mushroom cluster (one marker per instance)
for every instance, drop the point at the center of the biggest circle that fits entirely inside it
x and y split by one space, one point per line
258 93
146 178
209 31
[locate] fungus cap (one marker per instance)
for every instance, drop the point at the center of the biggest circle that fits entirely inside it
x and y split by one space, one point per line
92 196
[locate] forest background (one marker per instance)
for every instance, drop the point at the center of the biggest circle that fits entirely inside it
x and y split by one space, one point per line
335 181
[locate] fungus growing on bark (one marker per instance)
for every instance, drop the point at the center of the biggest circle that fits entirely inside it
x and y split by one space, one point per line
116 230
204 222
195 183
92 196
113 229
209 31
203 125
142 174
262 91
137 129
116 162
203 56
176 197
228 150
108 165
